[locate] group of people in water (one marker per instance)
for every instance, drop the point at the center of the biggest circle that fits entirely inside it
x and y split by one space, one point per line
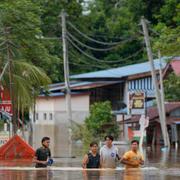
107 157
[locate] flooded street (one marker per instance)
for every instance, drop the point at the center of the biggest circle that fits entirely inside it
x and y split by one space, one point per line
159 164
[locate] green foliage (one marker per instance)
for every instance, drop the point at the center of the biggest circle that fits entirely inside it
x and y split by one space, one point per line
19 24
23 18
99 123
28 77
168 28
168 13
113 21
169 40
172 87
100 113
107 21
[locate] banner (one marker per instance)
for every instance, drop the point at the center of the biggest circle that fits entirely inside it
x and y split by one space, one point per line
5 100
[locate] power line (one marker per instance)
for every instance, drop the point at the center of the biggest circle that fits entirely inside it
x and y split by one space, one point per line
86 65
94 40
109 71
89 47
100 60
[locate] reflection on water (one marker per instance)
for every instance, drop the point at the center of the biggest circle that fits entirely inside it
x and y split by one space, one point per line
133 174
160 164
94 175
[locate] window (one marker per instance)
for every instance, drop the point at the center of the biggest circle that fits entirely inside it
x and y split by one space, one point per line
45 116
37 116
50 116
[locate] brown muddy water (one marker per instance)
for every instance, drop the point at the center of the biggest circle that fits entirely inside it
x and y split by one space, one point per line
159 165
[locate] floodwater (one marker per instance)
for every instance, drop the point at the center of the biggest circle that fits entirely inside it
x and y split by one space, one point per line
160 164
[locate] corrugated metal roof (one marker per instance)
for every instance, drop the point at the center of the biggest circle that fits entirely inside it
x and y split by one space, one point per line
60 94
83 85
72 84
122 71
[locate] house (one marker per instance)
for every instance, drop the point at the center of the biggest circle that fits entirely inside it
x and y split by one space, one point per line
50 117
154 134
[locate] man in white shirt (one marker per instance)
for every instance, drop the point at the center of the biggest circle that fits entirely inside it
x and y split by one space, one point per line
108 154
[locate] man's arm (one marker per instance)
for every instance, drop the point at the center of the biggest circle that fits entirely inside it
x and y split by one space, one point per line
117 155
127 162
85 161
35 160
49 153
133 164
141 160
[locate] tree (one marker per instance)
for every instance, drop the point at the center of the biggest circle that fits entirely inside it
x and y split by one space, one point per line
113 22
172 87
18 27
168 28
23 17
99 123
51 27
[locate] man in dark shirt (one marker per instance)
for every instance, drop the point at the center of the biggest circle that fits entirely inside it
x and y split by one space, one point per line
92 159
43 153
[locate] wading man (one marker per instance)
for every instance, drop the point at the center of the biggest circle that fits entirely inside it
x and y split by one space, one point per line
133 158
42 154
108 154
92 159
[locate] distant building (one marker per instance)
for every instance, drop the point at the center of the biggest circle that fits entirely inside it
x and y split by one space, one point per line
154 134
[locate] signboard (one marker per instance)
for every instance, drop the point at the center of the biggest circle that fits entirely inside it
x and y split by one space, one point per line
5 100
136 102
4 137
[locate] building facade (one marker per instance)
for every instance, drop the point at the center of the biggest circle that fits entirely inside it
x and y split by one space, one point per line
114 85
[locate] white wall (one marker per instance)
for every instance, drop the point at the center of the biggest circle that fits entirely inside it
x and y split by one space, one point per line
44 104
58 128
57 107
78 103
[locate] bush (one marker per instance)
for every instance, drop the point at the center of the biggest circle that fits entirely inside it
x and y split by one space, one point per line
99 123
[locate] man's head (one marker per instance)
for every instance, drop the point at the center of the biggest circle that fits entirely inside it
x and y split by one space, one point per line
45 141
134 145
109 139
94 147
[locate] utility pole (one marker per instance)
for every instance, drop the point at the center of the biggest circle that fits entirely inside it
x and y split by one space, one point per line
162 94
153 73
66 78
